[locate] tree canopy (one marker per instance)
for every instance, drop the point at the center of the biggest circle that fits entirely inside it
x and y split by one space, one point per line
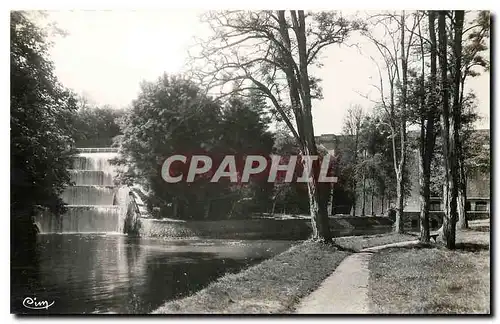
173 116
41 131
95 126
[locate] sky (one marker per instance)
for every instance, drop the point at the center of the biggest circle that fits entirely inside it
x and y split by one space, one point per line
106 54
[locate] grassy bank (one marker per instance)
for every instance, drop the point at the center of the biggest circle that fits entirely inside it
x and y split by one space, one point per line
433 280
275 285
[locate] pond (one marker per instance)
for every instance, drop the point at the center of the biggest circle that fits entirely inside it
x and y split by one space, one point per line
99 273
117 274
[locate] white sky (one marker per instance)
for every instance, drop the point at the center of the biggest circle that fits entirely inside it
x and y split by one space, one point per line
108 53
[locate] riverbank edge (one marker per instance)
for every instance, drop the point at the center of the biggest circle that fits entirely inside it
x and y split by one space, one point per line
276 285
262 228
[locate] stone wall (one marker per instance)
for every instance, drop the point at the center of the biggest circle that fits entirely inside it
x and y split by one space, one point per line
263 228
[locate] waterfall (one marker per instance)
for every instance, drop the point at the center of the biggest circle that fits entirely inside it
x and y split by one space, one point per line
95 162
91 177
89 195
90 219
95 203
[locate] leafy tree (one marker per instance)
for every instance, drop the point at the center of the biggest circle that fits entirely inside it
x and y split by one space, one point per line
288 195
244 131
96 126
423 108
465 41
470 43
351 128
170 116
475 150
40 127
272 52
455 68
374 169
394 49
173 116
449 125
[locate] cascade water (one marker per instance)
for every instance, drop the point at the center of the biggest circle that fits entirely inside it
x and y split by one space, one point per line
95 203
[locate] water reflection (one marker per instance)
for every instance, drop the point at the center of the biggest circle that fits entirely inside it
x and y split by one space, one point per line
118 274
92 273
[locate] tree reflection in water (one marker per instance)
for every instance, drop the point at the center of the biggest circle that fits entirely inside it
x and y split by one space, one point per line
117 274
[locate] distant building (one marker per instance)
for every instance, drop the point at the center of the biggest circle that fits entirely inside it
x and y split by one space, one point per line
478 189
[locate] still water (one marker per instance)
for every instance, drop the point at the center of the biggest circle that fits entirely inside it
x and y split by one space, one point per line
92 273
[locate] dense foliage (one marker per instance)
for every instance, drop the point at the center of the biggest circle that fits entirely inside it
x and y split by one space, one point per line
172 116
40 121
96 126
288 198
40 131
365 167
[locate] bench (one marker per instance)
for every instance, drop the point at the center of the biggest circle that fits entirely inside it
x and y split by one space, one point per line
434 236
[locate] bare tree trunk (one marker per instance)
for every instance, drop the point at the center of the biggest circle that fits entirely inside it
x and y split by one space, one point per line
382 205
274 206
318 192
353 208
363 203
424 198
457 122
427 134
330 207
372 212
394 55
399 226
356 144
318 199
462 190
448 142
301 92
402 162
446 197
462 198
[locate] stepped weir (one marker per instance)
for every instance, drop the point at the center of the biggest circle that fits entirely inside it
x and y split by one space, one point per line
95 203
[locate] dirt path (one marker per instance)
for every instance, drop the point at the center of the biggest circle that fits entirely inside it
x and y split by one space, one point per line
345 291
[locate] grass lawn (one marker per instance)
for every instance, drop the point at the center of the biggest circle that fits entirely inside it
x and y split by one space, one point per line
433 280
275 285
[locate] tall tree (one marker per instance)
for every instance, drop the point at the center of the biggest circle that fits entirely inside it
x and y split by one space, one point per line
244 114
170 116
402 127
458 25
174 116
272 53
428 115
472 43
394 50
352 127
40 130
450 189
374 169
